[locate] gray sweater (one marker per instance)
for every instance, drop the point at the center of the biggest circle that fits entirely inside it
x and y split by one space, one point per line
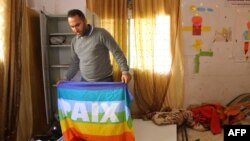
90 55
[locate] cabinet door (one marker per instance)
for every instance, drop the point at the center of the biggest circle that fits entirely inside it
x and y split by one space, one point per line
44 43
56 37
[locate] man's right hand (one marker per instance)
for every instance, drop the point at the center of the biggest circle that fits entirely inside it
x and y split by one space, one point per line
57 83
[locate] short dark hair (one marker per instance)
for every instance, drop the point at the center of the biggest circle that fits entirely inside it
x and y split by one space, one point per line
76 12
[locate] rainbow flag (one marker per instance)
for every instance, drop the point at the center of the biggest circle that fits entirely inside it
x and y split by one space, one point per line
95 111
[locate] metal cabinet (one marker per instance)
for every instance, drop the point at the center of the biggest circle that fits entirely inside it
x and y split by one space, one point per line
56 37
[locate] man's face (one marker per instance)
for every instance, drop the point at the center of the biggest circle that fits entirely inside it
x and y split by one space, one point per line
77 24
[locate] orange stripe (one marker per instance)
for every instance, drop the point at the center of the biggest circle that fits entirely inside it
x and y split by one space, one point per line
72 134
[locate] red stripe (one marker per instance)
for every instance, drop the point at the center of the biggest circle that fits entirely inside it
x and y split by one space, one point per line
72 134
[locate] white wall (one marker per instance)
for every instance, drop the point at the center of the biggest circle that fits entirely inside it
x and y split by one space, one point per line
222 76
35 4
57 6
61 7
226 74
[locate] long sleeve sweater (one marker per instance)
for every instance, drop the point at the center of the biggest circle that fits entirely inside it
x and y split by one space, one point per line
90 55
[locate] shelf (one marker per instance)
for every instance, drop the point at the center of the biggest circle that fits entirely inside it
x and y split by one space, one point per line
59 34
60 66
62 46
56 37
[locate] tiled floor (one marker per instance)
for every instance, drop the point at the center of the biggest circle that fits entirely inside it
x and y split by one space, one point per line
148 131
194 135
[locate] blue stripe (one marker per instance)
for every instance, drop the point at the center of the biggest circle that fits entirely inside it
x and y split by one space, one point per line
92 95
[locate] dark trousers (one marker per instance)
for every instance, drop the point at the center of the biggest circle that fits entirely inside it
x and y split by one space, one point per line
106 79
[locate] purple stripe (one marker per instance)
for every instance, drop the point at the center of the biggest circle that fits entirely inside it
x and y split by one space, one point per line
91 85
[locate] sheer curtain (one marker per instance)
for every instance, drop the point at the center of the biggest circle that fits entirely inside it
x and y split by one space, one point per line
21 94
113 17
158 63
11 12
32 116
4 42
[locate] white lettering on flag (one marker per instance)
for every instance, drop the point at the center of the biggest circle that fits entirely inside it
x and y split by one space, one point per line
80 111
109 112
95 112
64 106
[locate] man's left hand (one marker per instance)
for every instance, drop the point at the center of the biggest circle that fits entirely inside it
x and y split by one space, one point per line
126 77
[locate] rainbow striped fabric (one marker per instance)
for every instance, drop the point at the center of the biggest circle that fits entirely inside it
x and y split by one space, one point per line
95 111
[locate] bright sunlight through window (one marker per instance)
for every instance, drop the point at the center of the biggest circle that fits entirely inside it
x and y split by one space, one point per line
162 45
2 34
162 53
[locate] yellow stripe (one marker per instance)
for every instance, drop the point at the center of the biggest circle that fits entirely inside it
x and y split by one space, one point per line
95 129
187 28
190 28
206 28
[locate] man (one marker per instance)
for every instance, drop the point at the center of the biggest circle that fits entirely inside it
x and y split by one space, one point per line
90 51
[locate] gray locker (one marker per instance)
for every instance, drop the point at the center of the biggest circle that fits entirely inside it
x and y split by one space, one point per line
56 36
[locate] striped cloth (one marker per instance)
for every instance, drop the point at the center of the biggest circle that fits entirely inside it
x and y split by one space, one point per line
95 111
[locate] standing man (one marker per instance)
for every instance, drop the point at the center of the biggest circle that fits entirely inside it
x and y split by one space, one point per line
90 51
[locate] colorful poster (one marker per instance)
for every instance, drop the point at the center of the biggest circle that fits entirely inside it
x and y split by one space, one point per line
197 59
246 35
197 23
95 111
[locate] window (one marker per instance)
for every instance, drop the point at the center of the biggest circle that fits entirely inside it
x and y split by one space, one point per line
161 49
2 28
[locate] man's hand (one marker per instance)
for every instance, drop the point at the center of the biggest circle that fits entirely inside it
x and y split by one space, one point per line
59 81
126 77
